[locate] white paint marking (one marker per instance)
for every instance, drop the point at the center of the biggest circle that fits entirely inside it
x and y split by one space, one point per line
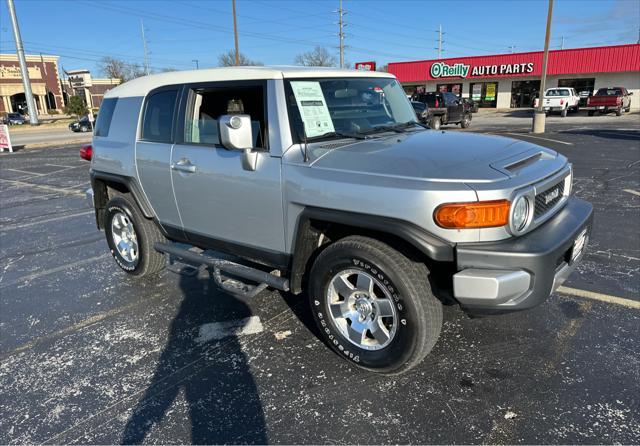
215 331
629 303
631 191
48 220
539 137
41 186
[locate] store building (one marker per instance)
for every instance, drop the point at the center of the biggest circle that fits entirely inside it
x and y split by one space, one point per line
513 80
49 89
81 83
45 83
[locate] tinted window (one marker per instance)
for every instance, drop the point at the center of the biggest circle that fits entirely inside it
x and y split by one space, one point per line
157 122
428 98
609 92
558 93
104 116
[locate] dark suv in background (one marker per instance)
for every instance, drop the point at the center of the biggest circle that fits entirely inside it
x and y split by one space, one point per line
442 109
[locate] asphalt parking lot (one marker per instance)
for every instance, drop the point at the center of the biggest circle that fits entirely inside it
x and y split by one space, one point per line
89 355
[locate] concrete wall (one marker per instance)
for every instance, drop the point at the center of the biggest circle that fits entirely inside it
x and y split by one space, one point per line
629 80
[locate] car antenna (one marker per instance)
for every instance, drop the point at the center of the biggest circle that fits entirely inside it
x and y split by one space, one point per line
306 145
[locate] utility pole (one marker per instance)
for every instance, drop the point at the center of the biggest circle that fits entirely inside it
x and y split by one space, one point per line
539 116
512 48
341 34
562 43
235 33
146 50
26 82
440 41
197 64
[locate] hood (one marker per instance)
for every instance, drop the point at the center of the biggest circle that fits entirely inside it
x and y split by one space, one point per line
429 155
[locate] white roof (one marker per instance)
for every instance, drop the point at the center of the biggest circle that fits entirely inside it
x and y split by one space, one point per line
142 85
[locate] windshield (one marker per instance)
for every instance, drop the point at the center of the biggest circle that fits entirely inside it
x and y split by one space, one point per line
342 107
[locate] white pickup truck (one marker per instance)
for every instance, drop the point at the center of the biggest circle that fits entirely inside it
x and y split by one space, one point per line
561 99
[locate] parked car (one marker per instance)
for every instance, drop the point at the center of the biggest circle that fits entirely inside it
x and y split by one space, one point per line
616 99
560 99
444 108
346 195
83 125
471 106
14 119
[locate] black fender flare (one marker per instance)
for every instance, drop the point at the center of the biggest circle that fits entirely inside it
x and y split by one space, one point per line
129 183
306 239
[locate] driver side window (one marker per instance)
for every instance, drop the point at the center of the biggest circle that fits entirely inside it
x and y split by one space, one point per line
208 104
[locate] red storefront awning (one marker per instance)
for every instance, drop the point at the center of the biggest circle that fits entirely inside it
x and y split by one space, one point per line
604 59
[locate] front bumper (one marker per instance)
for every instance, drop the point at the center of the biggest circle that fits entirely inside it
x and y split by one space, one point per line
522 272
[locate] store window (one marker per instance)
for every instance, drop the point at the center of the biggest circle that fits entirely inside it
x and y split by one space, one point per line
485 94
524 93
584 87
450 88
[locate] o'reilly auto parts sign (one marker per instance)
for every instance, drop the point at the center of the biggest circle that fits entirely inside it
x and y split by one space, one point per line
442 69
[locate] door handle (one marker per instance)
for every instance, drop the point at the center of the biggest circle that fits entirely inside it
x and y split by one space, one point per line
184 165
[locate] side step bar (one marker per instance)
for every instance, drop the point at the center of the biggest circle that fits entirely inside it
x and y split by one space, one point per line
220 265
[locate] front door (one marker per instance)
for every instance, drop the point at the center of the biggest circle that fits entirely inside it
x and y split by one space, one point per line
222 204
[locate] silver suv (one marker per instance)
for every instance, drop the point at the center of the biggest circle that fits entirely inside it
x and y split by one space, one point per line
323 180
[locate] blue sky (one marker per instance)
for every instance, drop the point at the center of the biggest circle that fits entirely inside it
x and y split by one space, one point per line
275 31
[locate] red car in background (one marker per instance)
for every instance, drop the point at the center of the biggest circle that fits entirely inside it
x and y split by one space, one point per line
616 99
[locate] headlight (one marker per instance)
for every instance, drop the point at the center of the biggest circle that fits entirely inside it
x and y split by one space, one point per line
520 213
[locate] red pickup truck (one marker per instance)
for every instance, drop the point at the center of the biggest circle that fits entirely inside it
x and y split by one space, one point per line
616 99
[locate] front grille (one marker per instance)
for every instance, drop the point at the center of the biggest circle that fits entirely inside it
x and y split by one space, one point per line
543 203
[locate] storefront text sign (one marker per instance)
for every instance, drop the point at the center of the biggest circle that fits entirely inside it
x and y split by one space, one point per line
366 66
441 69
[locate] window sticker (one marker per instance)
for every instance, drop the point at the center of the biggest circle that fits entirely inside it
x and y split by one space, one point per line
313 108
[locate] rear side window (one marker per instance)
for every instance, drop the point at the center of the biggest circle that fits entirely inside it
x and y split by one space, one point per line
104 116
157 122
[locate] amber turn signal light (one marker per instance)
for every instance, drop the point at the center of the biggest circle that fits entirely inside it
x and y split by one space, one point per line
479 214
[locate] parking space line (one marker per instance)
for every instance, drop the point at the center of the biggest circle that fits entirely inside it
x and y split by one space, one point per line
631 191
539 137
44 187
57 269
48 220
629 303
25 172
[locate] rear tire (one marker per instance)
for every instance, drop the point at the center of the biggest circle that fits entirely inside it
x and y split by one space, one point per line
466 121
619 111
435 123
591 113
563 113
356 280
84 129
131 237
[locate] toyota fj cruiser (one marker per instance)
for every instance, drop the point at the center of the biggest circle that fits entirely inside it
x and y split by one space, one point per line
323 180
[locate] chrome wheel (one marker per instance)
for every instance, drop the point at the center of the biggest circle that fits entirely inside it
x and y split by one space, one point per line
124 236
362 309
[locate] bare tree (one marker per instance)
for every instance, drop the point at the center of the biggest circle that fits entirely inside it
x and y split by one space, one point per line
384 68
119 69
318 57
228 59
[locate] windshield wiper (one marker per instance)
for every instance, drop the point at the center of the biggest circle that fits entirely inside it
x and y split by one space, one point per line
339 134
398 128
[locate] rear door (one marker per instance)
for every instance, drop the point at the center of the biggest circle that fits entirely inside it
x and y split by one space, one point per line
153 154
221 204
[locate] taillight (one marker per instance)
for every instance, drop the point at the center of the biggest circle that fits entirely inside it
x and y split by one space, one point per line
86 152
561 101
436 103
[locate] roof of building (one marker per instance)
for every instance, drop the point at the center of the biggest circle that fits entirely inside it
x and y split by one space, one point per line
602 59
142 85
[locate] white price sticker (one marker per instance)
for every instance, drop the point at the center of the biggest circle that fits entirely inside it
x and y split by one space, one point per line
313 108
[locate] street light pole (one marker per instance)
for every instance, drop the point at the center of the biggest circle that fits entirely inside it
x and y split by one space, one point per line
26 82
539 115
197 64
235 33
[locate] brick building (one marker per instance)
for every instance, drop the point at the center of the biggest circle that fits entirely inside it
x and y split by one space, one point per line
45 83
50 90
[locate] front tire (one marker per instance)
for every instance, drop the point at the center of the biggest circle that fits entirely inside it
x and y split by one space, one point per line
466 122
435 123
591 113
373 305
131 237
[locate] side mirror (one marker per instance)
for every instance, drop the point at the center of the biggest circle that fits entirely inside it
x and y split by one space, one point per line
236 134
